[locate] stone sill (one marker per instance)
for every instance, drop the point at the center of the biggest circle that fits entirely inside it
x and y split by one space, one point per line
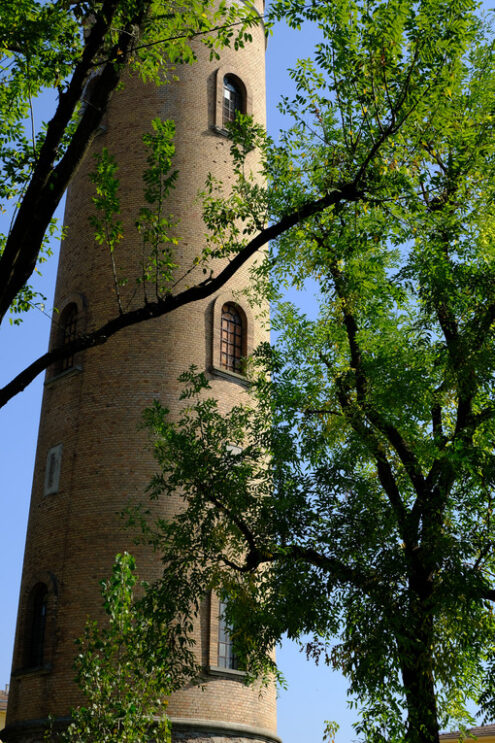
33 671
226 672
230 376
77 369
220 131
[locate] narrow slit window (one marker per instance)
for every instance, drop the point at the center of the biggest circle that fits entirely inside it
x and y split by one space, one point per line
226 657
52 470
35 650
68 333
232 338
232 99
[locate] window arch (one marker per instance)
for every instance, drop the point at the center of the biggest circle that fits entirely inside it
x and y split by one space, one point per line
233 99
67 333
36 626
232 337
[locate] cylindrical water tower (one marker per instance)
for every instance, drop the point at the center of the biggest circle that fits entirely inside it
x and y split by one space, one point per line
92 458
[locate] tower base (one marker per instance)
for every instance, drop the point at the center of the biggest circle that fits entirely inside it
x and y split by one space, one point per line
183 731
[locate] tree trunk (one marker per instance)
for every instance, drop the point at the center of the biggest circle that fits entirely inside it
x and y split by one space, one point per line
417 674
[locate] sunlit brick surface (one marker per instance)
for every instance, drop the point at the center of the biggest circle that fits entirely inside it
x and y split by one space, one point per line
94 408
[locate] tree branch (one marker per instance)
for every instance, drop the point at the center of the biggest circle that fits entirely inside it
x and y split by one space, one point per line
406 455
338 571
49 180
347 192
386 476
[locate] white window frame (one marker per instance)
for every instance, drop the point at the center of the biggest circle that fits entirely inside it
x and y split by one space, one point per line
52 470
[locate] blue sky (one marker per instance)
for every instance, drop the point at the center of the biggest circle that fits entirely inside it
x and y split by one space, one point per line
314 694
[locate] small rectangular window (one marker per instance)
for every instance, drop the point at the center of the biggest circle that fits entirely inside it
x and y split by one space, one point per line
52 470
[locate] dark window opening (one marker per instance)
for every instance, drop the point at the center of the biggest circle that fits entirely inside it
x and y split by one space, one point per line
226 657
52 468
35 645
232 338
232 99
68 333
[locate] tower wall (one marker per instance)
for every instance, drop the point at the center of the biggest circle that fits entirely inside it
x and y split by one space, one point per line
93 409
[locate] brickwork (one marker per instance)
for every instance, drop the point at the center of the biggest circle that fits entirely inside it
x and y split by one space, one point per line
94 409
205 738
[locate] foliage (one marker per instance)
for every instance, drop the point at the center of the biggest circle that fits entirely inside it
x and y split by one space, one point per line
78 51
124 683
331 729
360 507
234 217
155 229
73 56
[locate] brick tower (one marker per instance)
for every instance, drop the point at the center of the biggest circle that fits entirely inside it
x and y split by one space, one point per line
91 458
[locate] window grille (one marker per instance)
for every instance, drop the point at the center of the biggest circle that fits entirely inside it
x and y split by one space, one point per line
232 338
68 332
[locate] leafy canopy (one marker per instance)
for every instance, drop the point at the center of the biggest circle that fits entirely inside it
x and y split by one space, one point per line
359 509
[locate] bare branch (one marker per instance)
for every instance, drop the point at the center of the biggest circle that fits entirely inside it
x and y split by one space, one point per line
338 571
347 192
50 178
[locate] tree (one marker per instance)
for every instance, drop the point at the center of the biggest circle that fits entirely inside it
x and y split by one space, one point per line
63 47
125 681
357 506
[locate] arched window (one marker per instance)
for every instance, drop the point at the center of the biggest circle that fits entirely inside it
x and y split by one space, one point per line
67 333
233 102
35 641
86 96
226 657
232 338
87 93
